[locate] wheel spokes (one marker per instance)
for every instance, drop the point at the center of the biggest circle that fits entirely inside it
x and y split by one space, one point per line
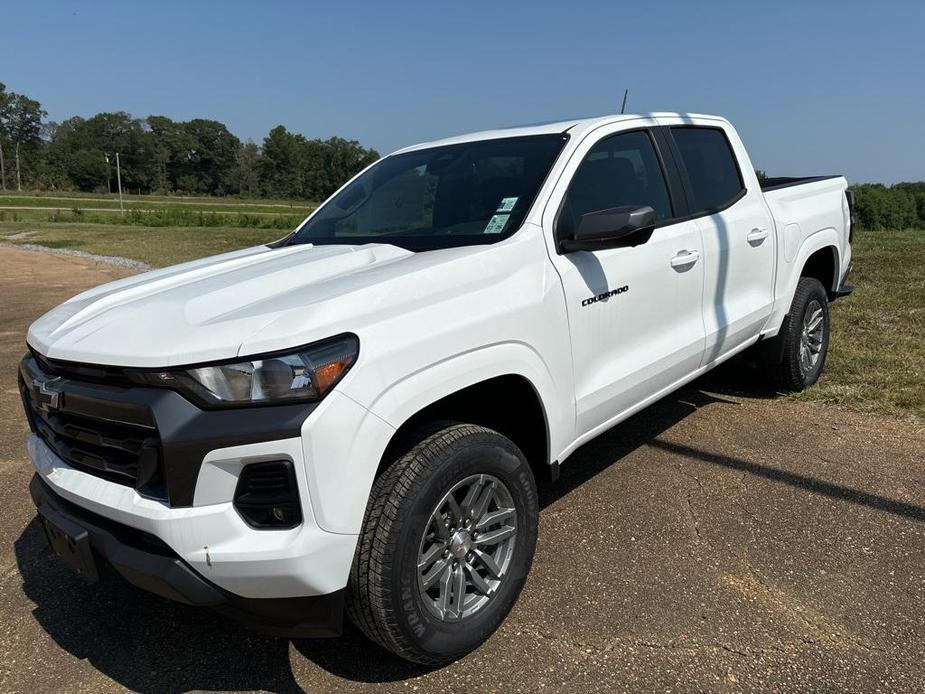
459 590
815 320
498 516
478 582
456 512
493 537
486 560
471 496
435 573
446 591
431 556
481 506
467 547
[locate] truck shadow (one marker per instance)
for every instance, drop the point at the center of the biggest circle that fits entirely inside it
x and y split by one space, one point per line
143 642
147 644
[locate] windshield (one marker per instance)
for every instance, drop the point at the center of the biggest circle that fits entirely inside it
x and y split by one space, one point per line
456 195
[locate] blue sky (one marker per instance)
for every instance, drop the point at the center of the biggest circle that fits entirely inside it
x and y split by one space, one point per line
814 87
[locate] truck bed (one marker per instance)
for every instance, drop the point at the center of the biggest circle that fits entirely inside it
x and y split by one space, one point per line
787 181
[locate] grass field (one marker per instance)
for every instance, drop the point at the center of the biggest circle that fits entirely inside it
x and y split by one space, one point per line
150 210
876 360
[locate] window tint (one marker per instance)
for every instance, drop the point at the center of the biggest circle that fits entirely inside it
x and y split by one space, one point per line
711 166
455 195
620 171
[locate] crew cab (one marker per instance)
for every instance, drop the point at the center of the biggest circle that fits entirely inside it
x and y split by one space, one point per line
352 419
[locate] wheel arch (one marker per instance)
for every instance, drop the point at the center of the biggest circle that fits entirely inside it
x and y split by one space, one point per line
818 256
509 404
823 265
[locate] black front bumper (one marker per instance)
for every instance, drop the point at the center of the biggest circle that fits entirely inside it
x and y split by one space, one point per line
152 439
146 562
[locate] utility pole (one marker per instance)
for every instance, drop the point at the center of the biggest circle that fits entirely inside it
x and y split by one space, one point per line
119 182
18 179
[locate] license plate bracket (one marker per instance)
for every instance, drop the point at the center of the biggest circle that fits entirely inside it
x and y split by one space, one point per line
69 541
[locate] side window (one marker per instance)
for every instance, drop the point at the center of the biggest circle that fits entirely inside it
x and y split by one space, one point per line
619 171
711 166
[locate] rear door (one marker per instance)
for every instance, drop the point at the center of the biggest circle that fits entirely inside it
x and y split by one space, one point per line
634 311
737 231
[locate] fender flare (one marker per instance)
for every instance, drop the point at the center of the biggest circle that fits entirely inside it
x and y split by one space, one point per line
787 286
817 241
364 431
409 395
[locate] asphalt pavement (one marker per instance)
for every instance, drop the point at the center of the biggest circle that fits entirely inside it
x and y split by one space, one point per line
723 539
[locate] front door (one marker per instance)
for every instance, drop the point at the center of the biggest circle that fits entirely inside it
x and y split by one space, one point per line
634 311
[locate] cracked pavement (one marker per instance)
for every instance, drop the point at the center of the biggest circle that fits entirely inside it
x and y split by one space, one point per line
721 540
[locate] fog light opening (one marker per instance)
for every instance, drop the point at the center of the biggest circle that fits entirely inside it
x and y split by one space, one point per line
267 497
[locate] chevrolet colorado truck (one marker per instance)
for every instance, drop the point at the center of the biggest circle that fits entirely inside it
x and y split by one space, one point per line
352 419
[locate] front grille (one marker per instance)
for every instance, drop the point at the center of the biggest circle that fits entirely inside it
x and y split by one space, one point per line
85 424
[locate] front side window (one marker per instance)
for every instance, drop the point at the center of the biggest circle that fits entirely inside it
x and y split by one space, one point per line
456 195
619 171
711 166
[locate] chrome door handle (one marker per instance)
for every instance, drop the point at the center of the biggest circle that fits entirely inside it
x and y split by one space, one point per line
757 235
685 259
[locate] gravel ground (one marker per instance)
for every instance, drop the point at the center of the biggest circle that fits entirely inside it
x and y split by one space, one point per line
721 540
113 260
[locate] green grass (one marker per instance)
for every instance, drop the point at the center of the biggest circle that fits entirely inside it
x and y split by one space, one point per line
876 360
160 211
66 198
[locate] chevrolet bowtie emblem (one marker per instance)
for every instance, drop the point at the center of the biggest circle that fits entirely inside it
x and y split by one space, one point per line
47 393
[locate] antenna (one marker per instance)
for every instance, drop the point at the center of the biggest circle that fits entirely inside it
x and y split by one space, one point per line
623 107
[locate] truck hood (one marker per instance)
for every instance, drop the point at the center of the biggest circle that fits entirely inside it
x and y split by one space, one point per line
236 304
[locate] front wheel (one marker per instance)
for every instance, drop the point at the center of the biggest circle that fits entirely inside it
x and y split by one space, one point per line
446 544
800 349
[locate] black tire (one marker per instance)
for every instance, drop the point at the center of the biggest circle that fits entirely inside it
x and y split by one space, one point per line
782 354
383 596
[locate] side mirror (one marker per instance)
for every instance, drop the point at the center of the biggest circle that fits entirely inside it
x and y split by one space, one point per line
609 228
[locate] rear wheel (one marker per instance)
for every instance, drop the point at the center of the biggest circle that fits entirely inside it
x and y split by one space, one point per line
796 357
446 544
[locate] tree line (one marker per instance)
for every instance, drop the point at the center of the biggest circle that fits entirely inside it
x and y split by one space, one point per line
900 206
202 157
160 155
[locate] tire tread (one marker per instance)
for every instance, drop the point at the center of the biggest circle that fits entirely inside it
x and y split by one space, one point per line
785 374
370 572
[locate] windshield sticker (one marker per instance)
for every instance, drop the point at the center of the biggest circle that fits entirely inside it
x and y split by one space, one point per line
506 204
496 224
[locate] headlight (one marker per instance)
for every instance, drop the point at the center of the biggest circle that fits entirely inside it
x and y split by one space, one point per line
305 374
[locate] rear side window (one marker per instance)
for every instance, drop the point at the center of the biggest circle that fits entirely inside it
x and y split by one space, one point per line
619 171
711 166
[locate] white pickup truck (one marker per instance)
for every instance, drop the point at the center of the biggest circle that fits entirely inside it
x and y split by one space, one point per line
353 418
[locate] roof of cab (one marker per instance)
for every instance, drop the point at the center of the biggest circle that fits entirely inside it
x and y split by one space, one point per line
575 126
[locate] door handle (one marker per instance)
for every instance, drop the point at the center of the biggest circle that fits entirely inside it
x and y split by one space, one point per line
684 259
757 235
